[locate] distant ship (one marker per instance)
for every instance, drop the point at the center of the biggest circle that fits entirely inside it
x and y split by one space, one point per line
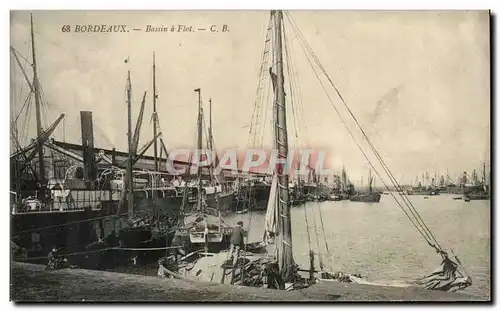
482 192
373 197
370 197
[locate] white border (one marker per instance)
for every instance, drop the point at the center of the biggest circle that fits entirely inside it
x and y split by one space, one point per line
256 5
178 4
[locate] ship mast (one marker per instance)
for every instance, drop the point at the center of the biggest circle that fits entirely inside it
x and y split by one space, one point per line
210 140
199 147
155 116
36 87
484 176
370 181
130 190
285 254
344 179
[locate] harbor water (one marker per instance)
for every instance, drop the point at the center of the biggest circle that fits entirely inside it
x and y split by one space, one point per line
378 241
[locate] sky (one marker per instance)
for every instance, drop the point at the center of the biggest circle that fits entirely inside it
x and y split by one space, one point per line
418 82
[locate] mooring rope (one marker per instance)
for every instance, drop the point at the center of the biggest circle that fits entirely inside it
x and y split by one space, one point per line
107 249
64 224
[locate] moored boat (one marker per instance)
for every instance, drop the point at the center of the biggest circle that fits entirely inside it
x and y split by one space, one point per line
373 197
476 196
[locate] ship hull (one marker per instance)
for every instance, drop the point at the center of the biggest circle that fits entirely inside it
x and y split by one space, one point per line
168 204
75 221
369 197
224 202
53 231
169 201
260 193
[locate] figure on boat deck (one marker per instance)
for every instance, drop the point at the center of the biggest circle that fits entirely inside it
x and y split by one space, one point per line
237 242
57 261
166 264
178 247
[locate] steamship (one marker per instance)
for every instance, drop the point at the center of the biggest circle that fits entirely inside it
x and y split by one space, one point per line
70 195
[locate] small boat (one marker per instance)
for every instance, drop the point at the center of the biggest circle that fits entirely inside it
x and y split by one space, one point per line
457 198
206 226
476 196
334 197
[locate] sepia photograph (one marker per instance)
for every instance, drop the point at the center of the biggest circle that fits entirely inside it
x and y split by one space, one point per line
250 156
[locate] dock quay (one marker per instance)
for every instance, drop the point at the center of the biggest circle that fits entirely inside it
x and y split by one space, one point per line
31 282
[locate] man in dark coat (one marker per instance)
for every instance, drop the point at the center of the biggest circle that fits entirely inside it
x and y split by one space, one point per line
237 241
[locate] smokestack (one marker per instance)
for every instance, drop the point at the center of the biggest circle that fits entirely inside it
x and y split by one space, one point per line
89 170
113 156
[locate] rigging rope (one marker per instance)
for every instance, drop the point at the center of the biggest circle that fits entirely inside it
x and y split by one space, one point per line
328 254
295 80
21 56
254 132
424 230
65 224
317 240
107 249
297 137
26 103
295 89
267 107
26 125
366 156
102 134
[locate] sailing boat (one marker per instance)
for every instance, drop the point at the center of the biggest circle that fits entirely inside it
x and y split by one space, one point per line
219 192
371 196
273 265
201 224
277 256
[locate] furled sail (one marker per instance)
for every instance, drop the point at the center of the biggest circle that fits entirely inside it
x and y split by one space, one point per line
446 278
270 227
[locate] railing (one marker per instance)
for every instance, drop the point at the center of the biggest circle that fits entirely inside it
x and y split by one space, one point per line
64 201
